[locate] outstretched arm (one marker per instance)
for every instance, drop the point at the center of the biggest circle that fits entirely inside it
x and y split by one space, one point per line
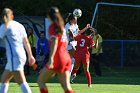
84 29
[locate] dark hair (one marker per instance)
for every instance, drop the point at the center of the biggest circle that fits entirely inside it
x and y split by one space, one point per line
71 17
29 28
66 16
56 17
90 31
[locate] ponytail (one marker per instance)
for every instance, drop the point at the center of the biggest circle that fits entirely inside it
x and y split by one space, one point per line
56 18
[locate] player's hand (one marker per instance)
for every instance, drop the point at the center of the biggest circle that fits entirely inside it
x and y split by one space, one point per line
50 63
88 26
31 61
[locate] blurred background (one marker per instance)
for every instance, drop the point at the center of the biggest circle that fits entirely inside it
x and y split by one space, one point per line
118 26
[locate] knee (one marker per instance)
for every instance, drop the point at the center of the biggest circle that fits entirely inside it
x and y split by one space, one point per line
40 81
86 70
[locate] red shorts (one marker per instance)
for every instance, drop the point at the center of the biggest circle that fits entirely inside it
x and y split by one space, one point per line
62 63
82 58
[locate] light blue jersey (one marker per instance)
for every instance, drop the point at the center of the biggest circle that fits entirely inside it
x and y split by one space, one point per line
13 36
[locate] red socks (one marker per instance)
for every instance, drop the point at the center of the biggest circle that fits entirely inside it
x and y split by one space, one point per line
88 78
69 91
44 90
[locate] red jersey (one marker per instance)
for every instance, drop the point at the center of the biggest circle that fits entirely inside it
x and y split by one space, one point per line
62 61
82 54
83 43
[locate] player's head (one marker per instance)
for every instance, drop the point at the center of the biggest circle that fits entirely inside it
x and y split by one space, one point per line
90 31
55 17
7 15
72 19
29 30
42 34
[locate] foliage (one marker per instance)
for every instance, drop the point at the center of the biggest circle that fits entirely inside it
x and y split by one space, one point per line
39 8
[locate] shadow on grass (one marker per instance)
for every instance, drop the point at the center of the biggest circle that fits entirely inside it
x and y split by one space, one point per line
128 76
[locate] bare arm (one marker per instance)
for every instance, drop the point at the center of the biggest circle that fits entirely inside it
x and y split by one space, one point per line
96 42
54 44
84 29
29 52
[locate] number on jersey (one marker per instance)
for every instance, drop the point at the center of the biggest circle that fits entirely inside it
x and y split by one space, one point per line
82 43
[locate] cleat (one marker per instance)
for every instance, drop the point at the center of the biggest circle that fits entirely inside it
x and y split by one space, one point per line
90 86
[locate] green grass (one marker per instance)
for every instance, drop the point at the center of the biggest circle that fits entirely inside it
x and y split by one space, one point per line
114 80
82 88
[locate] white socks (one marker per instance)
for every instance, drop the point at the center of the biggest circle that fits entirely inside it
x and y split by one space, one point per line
25 88
4 87
72 65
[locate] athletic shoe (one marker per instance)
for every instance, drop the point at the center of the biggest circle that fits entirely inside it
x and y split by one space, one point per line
90 86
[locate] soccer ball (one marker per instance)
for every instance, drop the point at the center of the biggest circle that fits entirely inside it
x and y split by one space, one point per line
77 13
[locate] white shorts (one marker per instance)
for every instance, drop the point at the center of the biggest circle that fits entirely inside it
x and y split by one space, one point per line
72 45
69 47
15 64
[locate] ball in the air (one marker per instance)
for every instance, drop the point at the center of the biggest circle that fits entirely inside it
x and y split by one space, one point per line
77 13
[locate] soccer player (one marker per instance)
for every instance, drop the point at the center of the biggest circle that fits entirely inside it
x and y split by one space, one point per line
14 35
82 55
59 61
72 31
66 17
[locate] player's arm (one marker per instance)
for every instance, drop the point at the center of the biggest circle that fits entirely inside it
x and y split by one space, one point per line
84 29
54 44
96 42
70 35
29 52
99 45
99 48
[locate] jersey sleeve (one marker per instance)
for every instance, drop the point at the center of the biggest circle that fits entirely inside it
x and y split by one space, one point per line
2 31
23 31
67 27
91 42
76 38
52 32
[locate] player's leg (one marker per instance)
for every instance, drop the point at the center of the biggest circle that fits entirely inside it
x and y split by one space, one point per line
86 70
72 65
44 76
71 52
64 79
5 78
75 69
21 80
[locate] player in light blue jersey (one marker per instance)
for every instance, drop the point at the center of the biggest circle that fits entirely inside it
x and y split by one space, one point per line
14 35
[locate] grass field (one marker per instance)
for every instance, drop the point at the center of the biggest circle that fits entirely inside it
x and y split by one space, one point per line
114 80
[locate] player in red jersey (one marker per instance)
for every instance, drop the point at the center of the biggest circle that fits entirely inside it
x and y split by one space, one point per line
59 61
82 55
